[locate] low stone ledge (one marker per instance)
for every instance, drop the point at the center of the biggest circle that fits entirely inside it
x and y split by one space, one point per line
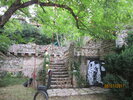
76 91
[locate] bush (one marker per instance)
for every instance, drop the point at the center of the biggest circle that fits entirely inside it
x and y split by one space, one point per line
76 64
120 67
129 39
4 43
115 79
8 79
27 34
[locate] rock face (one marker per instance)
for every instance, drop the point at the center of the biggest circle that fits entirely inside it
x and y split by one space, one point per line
120 41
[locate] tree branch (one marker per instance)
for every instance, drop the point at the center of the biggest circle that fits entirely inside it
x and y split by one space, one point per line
17 5
62 6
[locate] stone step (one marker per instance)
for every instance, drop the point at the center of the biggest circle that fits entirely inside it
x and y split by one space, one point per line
60 76
60 73
59 70
60 82
56 65
61 86
59 79
53 60
54 80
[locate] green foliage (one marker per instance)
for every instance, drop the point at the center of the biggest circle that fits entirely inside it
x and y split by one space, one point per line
9 79
80 79
12 26
120 67
4 43
43 72
96 18
121 64
130 38
26 33
81 82
115 79
31 33
57 22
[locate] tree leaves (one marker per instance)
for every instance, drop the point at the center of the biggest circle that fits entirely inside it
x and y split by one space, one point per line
98 18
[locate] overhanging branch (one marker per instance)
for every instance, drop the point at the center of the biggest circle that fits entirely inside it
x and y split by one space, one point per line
62 6
17 5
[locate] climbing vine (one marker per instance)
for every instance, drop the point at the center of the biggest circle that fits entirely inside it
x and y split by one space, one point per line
75 64
81 82
43 72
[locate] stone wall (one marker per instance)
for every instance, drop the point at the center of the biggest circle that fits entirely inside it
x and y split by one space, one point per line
107 47
24 64
32 49
26 58
97 50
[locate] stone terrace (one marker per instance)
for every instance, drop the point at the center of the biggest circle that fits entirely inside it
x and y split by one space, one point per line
76 91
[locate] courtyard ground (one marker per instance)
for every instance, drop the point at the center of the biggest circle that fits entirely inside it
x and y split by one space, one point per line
18 92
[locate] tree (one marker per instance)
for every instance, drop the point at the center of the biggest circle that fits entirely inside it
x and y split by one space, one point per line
18 4
98 18
30 33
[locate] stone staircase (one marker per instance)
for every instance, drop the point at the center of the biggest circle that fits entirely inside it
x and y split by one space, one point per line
60 76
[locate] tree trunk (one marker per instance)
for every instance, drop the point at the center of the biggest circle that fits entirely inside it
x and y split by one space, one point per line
57 37
9 13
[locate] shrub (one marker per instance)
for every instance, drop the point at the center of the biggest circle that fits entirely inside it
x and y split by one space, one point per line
4 43
76 64
120 67
8 79
115 79
129 39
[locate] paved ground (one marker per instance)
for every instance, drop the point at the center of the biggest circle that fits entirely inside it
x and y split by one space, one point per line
76 91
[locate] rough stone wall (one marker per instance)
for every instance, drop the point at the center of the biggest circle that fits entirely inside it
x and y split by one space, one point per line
103 48
24 57
27 57
95 44
83 67
24 64
38 49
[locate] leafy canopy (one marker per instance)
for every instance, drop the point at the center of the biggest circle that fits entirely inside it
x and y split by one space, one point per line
98 18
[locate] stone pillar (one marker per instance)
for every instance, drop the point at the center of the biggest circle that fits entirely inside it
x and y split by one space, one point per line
74 80
83 67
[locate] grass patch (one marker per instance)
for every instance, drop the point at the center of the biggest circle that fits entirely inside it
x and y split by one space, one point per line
16 92
8 80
